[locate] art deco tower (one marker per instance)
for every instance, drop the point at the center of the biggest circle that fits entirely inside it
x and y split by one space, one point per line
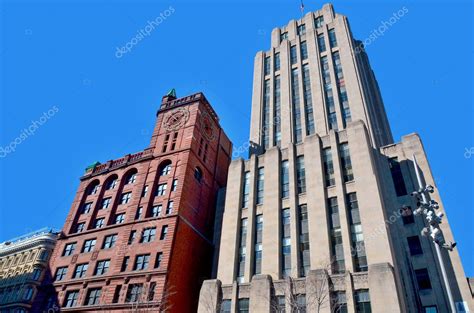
138 237
313 219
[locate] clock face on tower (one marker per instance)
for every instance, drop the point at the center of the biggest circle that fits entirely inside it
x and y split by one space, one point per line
176 119
207 126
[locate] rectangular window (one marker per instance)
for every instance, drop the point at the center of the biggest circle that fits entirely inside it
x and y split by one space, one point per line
286 243
71 298
148 234
283 36
61 272
141 262
125 198
132 236
243 305
88 245
301 29
125 264
80 227
132 179
337 250
242 250
151 291
295 96
226 306
407 215
260 185
86 208
258 244
159 259
300 303
117 291
164 232
304 240
106 203
300 175
285 179
339 302
102 267
174 187
277 61
357 236
99 223
156 210
246 190
138 214
346 163
80 270
423 279
111 184
144 191
304 51
319 21
332 38
414 245
341 87
169 207
397 177
321 43
267 65
328 94
69 249
161 190
266 114
362 301
277 112
329 176
308 101
430 309
134 293
293 55
109 241
280 304
120 218
93 296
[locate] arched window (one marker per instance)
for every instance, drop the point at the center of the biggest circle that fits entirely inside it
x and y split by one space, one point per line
131 176
93 188
165 168
198 174
111 182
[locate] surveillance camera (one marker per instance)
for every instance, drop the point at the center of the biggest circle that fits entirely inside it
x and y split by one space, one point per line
414 194
425 231
429 189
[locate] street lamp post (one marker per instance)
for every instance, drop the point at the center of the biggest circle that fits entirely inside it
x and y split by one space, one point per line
427 208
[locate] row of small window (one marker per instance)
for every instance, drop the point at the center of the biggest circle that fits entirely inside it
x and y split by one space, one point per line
148 235
135 294
126 197
22 258
301 29
16 294
329 175
303 51
102 266
18 276
130 178
298 303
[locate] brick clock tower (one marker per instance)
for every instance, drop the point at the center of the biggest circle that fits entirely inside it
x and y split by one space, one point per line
139 232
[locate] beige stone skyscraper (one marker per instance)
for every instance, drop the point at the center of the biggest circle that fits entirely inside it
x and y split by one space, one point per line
313 221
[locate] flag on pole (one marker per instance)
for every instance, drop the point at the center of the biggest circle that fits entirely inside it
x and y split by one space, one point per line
302 7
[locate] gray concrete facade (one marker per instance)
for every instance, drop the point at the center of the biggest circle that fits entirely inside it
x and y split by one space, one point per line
352 236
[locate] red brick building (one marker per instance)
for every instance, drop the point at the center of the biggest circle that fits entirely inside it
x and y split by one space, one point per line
139 232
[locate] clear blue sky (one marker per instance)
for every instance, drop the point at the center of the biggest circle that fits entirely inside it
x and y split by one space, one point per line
61 55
